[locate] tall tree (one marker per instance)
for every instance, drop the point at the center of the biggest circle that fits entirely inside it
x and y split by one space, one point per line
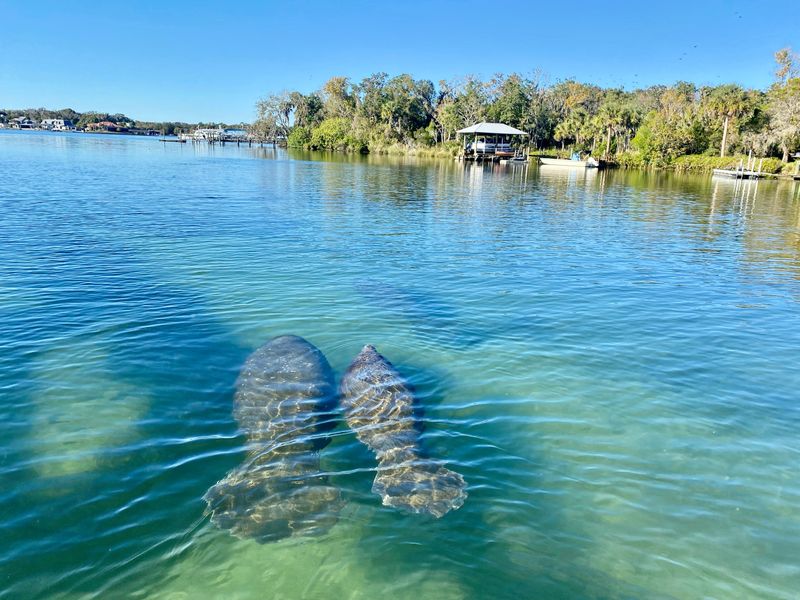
728 102
308 110
615 118
511 100
407 105
577 128
274 116
471 102
788 65
370 96
783 109
338 98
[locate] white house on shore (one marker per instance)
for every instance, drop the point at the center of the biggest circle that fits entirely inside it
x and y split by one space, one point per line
22 123
204 133
57 125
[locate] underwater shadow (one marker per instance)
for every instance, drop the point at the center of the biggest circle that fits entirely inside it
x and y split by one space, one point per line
137 499
430 317
510 539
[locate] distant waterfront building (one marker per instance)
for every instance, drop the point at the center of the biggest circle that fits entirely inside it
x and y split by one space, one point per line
218 134
142 131
235 133
57 124
489 139
204 133
22 123
106 126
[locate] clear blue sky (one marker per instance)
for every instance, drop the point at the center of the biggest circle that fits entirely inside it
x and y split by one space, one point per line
195 60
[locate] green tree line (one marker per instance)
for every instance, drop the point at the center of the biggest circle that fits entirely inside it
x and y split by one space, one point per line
645 127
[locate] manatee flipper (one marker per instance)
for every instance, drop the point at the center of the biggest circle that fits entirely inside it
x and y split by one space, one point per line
252 503
283 402
379 407
420 488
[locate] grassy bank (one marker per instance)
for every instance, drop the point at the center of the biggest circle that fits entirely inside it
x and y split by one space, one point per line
703 163
438 151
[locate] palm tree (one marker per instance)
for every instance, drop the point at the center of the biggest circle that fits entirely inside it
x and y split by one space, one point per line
575 127
727 102
615 119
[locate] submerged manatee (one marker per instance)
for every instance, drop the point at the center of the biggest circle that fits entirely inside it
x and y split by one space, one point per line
284 397
379 407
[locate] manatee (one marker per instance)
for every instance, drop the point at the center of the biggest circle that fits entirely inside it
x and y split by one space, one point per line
379 407
284 397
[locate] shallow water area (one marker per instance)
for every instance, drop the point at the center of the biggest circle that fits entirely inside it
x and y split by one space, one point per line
608 358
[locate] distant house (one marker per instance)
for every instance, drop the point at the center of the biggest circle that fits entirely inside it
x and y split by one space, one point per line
208 134
106 126
235 133
57 124
142 131
22 123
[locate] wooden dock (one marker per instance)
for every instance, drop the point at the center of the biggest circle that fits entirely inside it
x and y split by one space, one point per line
479 157
738 174
503 158
742 171
223 136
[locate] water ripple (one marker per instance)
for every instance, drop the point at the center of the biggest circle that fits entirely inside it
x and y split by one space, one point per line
605 357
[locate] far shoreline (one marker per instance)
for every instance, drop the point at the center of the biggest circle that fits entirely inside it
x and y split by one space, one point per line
441 155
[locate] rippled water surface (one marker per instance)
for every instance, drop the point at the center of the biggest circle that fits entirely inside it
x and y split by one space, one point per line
609 359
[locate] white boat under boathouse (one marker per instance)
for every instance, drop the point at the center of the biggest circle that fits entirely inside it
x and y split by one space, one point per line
490 141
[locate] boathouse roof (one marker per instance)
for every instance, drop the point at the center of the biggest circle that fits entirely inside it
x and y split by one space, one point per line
492 129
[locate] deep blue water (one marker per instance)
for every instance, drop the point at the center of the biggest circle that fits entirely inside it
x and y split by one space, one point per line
609 359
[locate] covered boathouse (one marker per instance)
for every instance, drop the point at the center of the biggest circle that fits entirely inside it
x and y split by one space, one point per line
489 141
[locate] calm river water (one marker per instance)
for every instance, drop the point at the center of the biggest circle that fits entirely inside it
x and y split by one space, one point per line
610 359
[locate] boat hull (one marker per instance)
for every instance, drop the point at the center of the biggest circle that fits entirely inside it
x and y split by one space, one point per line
563 162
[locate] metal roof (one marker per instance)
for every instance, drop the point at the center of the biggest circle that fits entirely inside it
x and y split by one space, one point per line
492 129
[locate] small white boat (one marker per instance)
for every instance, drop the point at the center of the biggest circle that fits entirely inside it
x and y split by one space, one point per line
589 163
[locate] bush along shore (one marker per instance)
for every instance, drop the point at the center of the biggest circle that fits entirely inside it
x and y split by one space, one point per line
684 126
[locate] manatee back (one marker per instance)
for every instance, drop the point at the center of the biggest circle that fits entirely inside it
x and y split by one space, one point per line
285 394
378 404
380 408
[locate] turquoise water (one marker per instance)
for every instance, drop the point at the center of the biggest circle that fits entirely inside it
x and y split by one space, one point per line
609 359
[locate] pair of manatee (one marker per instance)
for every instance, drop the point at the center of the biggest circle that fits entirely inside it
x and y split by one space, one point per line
284 402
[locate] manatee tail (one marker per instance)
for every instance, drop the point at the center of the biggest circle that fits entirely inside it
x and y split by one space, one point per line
267 509
420 488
